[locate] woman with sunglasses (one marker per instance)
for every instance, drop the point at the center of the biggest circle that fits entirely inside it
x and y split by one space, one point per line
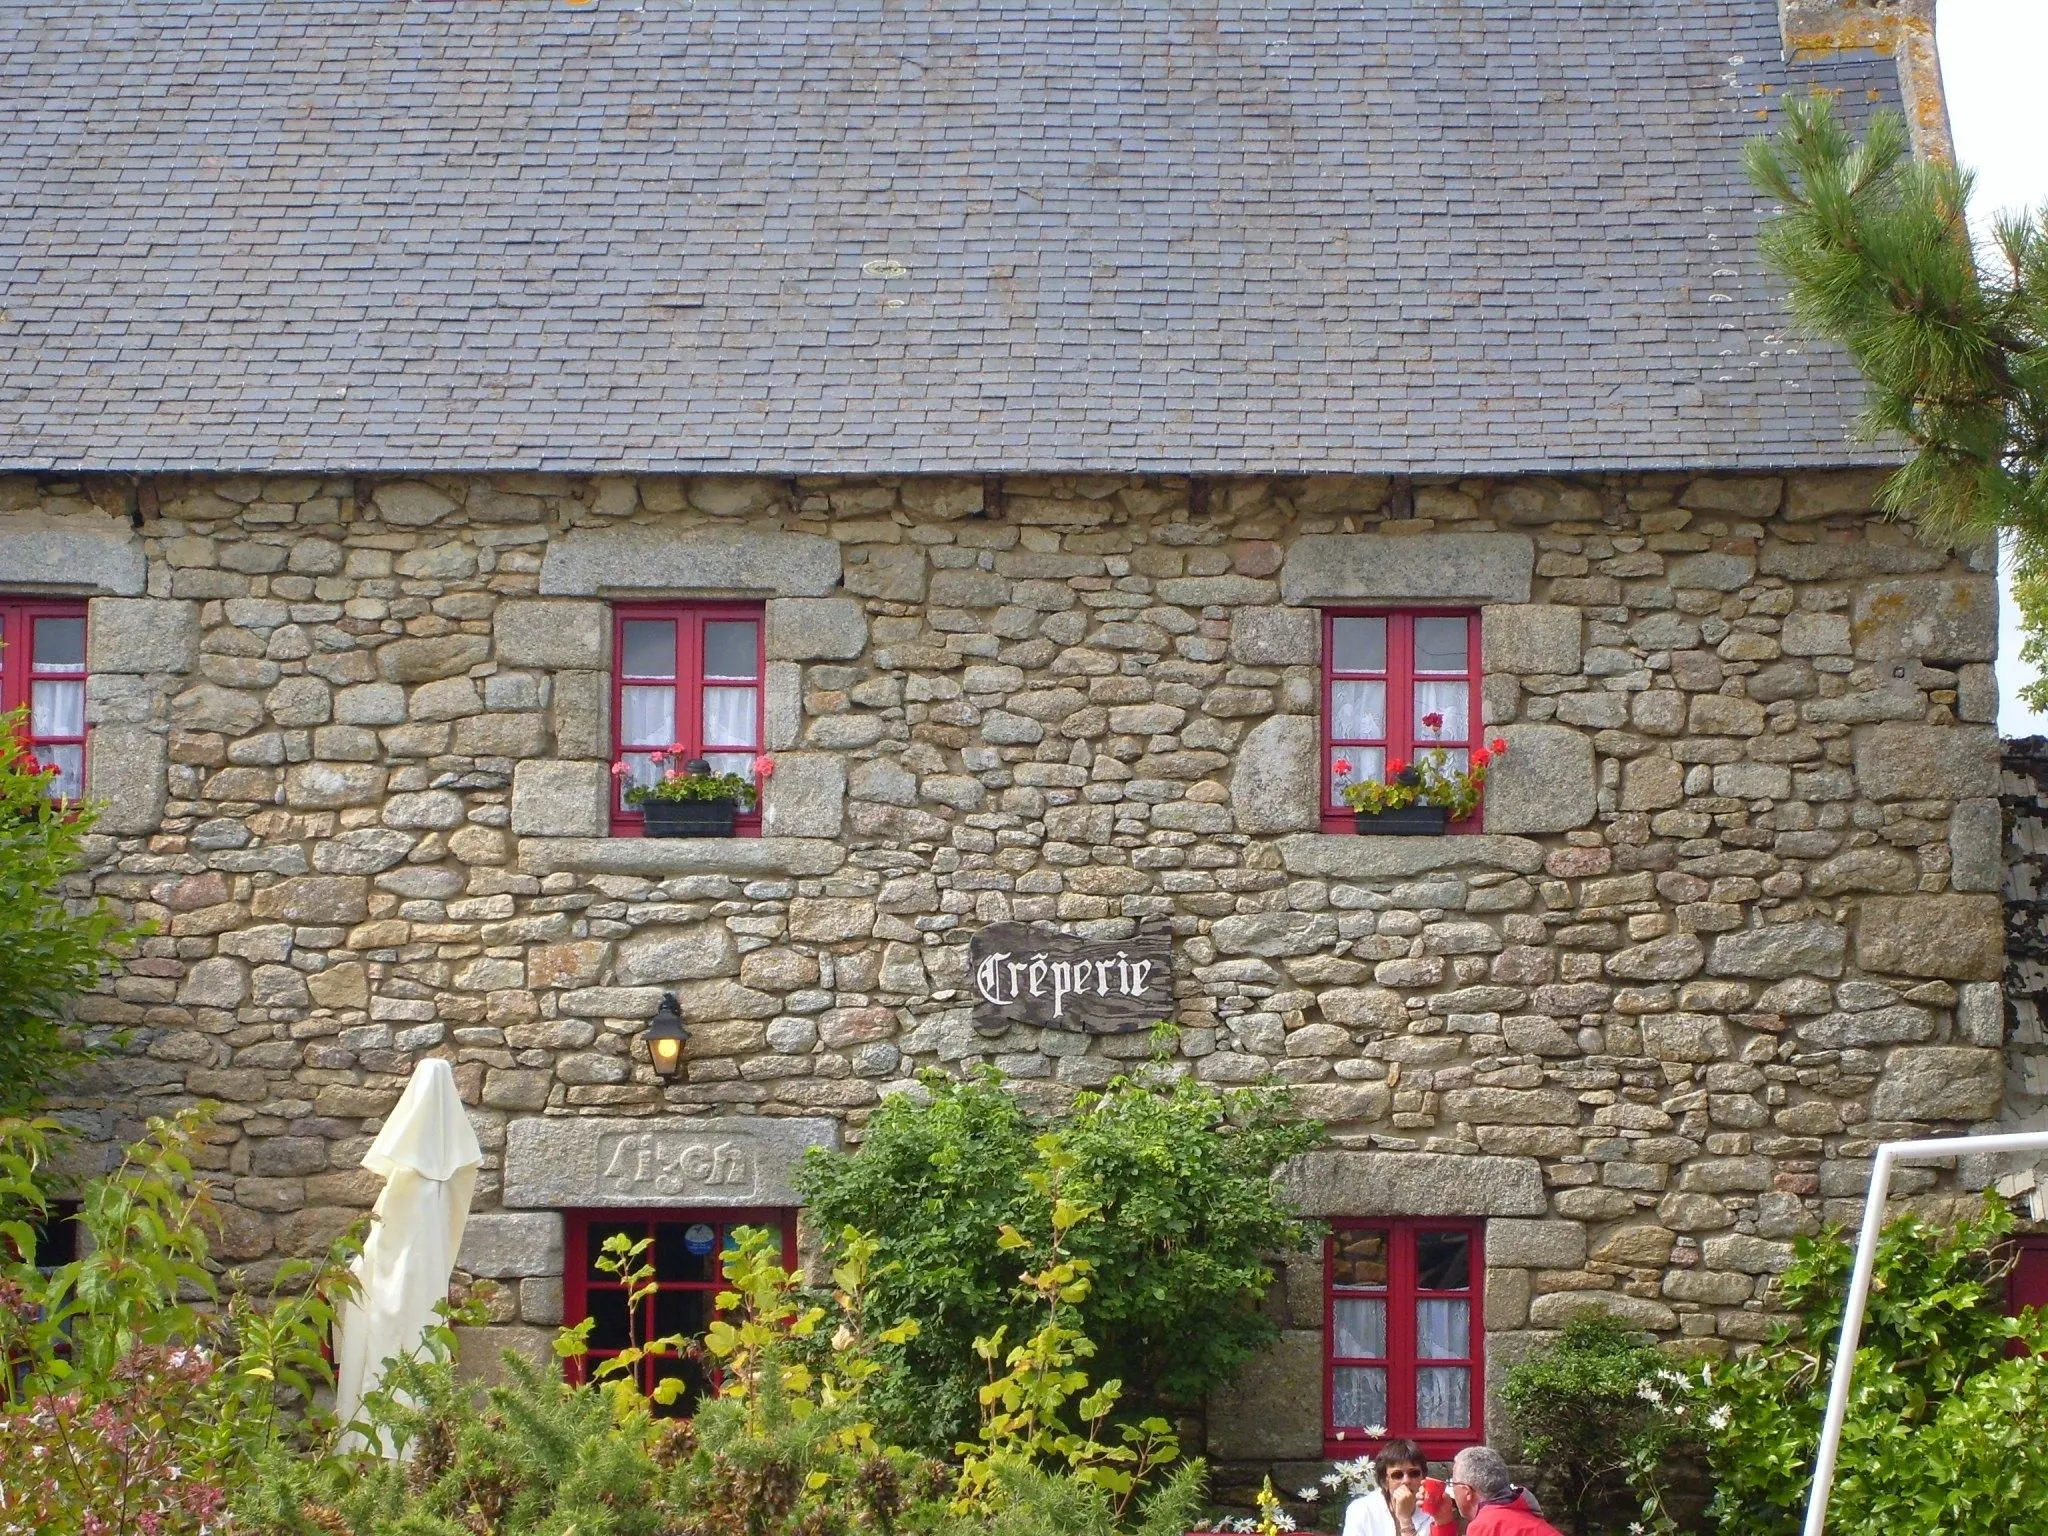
1395 1507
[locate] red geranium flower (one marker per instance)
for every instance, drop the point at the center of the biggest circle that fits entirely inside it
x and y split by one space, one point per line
1499 745
1341 767
1433 720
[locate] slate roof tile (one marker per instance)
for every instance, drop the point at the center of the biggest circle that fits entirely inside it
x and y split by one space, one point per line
899 235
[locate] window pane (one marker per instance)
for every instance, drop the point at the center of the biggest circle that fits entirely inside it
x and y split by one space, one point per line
650 648
1358 711
741 763
729 717
647 717
1448 705
1361 1327
731 649
683 1251
1355 765
1440 645
1359 1258
640 769
681 1312
611 1332
1442 1329
56 709
1359 1397
60 645
1443 1397
1358 645
1443 1261
69 784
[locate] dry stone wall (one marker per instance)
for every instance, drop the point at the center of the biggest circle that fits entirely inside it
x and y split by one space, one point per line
1735 914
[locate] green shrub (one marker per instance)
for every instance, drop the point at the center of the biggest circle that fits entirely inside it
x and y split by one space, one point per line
1944 1427
52 947
133 1399
1179 1179
1581 1410
786 1448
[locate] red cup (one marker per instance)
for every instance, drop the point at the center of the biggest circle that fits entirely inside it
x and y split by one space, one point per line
1435 1502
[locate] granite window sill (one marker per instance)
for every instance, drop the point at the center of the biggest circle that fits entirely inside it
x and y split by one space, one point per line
1349 856
657 857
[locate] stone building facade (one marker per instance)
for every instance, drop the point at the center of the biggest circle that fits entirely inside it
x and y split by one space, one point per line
1733 915
1037 406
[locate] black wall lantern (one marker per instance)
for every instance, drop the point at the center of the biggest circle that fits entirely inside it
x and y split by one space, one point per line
666 1037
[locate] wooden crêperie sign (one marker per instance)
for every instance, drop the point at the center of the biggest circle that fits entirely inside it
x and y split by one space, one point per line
1031 973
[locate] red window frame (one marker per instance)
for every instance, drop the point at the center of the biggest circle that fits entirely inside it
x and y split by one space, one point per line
17 619
2026 1283
1400 1362
578 1286
689 682
1400 678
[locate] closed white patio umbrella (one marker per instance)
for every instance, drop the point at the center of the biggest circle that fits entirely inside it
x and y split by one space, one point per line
428 1156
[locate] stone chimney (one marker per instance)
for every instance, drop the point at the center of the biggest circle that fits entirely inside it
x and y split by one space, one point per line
1903 29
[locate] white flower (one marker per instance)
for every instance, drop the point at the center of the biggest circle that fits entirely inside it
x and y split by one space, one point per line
1719 1418
1284 1521
1647 1391
1308 1495
1635 1528
1376 1431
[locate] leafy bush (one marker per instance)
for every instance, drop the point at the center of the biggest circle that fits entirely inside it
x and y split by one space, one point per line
133 1399
1179 1181
1585 1409
786 1448
51 949
1944 1426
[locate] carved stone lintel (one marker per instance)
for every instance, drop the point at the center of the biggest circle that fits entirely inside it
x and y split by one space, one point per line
725 1160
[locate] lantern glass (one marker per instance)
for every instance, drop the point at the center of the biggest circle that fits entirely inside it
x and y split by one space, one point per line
666 1037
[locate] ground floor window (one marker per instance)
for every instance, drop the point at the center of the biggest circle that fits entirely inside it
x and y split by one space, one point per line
685 1253
1403 1334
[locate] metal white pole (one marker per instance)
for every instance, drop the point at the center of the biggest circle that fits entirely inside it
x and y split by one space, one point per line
1859 1288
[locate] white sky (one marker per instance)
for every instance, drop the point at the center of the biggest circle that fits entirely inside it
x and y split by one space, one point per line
1994 63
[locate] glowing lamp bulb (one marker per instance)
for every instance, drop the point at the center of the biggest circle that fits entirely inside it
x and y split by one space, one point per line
666 1037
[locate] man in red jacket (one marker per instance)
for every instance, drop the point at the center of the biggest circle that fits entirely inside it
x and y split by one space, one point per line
1489 1502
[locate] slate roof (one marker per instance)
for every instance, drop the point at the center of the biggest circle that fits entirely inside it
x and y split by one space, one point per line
898 235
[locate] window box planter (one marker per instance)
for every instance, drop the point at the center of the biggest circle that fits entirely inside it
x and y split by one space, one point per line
1407 821
690 818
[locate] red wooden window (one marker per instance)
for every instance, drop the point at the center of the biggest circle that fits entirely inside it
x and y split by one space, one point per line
42 670
2027 1282
686 1255
1395 684
1403 1335
687 675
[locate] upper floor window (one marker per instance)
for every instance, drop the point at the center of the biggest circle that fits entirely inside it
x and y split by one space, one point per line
42 670
1395 684
688 681
1403 1335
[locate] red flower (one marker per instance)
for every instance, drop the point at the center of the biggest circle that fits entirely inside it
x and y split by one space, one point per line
1396 768
1481 758
764 768
1433 720
1341 767
620 770
1499 745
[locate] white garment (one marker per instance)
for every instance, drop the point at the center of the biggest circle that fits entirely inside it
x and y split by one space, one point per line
427 1154
1368 1515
